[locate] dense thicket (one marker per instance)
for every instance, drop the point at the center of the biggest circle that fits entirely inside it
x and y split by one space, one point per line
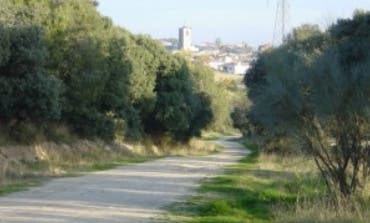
224 93
63 63
24 83
313 92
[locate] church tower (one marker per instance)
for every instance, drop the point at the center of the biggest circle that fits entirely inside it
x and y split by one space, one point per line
185 41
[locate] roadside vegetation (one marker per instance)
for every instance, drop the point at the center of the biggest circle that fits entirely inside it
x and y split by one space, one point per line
79 93
265 188
28 166
308 99
64 64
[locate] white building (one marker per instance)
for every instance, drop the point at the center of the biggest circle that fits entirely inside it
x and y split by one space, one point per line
185 39
216 65
235 68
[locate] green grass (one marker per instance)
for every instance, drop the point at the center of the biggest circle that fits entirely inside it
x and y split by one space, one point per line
250 191
19 186
101 166
212 135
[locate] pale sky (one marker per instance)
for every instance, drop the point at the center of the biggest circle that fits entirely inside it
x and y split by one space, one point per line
251 21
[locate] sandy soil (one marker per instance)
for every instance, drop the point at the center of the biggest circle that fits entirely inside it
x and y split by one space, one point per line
128 194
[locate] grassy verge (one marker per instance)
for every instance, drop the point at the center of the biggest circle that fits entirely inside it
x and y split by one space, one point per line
101 166
19 186
262 188
48 161
40 171
212 135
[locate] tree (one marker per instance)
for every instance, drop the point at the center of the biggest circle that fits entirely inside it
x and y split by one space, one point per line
25 84
179 110
220 96
314 90
240 119
99 80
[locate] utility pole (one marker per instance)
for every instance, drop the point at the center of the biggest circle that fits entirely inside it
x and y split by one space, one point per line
281 21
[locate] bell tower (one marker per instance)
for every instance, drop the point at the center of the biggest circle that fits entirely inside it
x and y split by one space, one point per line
185 39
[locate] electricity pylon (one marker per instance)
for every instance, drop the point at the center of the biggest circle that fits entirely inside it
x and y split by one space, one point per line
281 21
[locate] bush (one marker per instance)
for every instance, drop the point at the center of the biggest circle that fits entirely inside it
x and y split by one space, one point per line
27 92
92 124
71 65
313 91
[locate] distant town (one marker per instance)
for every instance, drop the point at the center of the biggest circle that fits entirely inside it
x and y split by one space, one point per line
231 58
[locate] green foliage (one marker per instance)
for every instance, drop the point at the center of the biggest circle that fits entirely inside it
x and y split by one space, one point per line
240 119
16 95
221 94
63 62
351 37
179 111
313 92
17 187
27 92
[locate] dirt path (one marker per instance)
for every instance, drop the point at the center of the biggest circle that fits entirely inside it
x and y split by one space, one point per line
128 194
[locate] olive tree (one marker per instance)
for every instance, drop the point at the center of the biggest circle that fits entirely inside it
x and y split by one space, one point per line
319 97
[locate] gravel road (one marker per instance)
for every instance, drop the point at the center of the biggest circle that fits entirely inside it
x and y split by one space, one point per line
128 194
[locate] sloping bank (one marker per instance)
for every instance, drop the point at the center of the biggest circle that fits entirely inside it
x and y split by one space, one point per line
24 166
126 194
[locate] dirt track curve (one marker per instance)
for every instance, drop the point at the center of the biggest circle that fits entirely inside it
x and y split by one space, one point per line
127 194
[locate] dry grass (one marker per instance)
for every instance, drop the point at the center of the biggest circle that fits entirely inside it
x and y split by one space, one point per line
220 76
52 159
320 210
267 188
195 147
311 205
23 164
